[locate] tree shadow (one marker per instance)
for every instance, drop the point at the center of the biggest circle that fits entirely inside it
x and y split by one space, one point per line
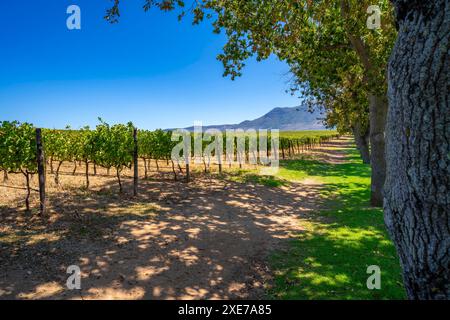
209 239
206 240
330 259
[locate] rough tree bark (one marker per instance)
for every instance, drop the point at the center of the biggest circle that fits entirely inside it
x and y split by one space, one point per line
377 116
417 189
362 142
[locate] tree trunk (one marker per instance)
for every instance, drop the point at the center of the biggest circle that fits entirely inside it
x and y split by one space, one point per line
135 163
51 165
174 171
362 142
417 189
5 176
145 169
40 165
57 172
118 179
74 168
188 173
377 116
27 199
87 174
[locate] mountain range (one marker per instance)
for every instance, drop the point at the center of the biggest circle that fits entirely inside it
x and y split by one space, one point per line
284 119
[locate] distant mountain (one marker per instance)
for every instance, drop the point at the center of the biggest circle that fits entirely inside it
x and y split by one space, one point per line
295 118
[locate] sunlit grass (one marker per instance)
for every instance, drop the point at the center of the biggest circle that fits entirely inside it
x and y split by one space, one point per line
329 260
307 133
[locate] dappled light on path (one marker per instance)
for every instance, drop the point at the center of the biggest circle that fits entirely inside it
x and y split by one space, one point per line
307 232
207 240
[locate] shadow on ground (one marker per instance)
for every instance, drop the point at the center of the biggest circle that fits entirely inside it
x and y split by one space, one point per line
209 239
329 259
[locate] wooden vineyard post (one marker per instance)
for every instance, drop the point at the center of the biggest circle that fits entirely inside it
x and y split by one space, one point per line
187 158
135 159
87 173
219 158
188 175
41 170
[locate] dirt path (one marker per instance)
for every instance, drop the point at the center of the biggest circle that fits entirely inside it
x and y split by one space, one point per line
206 240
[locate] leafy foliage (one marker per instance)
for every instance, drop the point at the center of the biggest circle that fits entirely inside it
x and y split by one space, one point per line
17 147
18 151
113 145
335 59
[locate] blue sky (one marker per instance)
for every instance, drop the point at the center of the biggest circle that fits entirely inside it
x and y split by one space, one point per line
149 68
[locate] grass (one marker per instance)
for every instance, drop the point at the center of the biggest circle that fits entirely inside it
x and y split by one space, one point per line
329 259
307 133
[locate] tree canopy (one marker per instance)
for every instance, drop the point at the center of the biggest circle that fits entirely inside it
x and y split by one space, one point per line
334 57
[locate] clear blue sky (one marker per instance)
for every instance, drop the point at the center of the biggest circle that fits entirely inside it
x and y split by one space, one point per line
149 68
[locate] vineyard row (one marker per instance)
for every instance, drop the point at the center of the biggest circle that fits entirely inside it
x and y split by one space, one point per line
27 150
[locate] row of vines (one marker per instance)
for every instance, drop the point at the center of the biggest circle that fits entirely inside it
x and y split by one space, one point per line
113 147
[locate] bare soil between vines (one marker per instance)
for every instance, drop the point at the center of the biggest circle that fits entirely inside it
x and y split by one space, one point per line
209 239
